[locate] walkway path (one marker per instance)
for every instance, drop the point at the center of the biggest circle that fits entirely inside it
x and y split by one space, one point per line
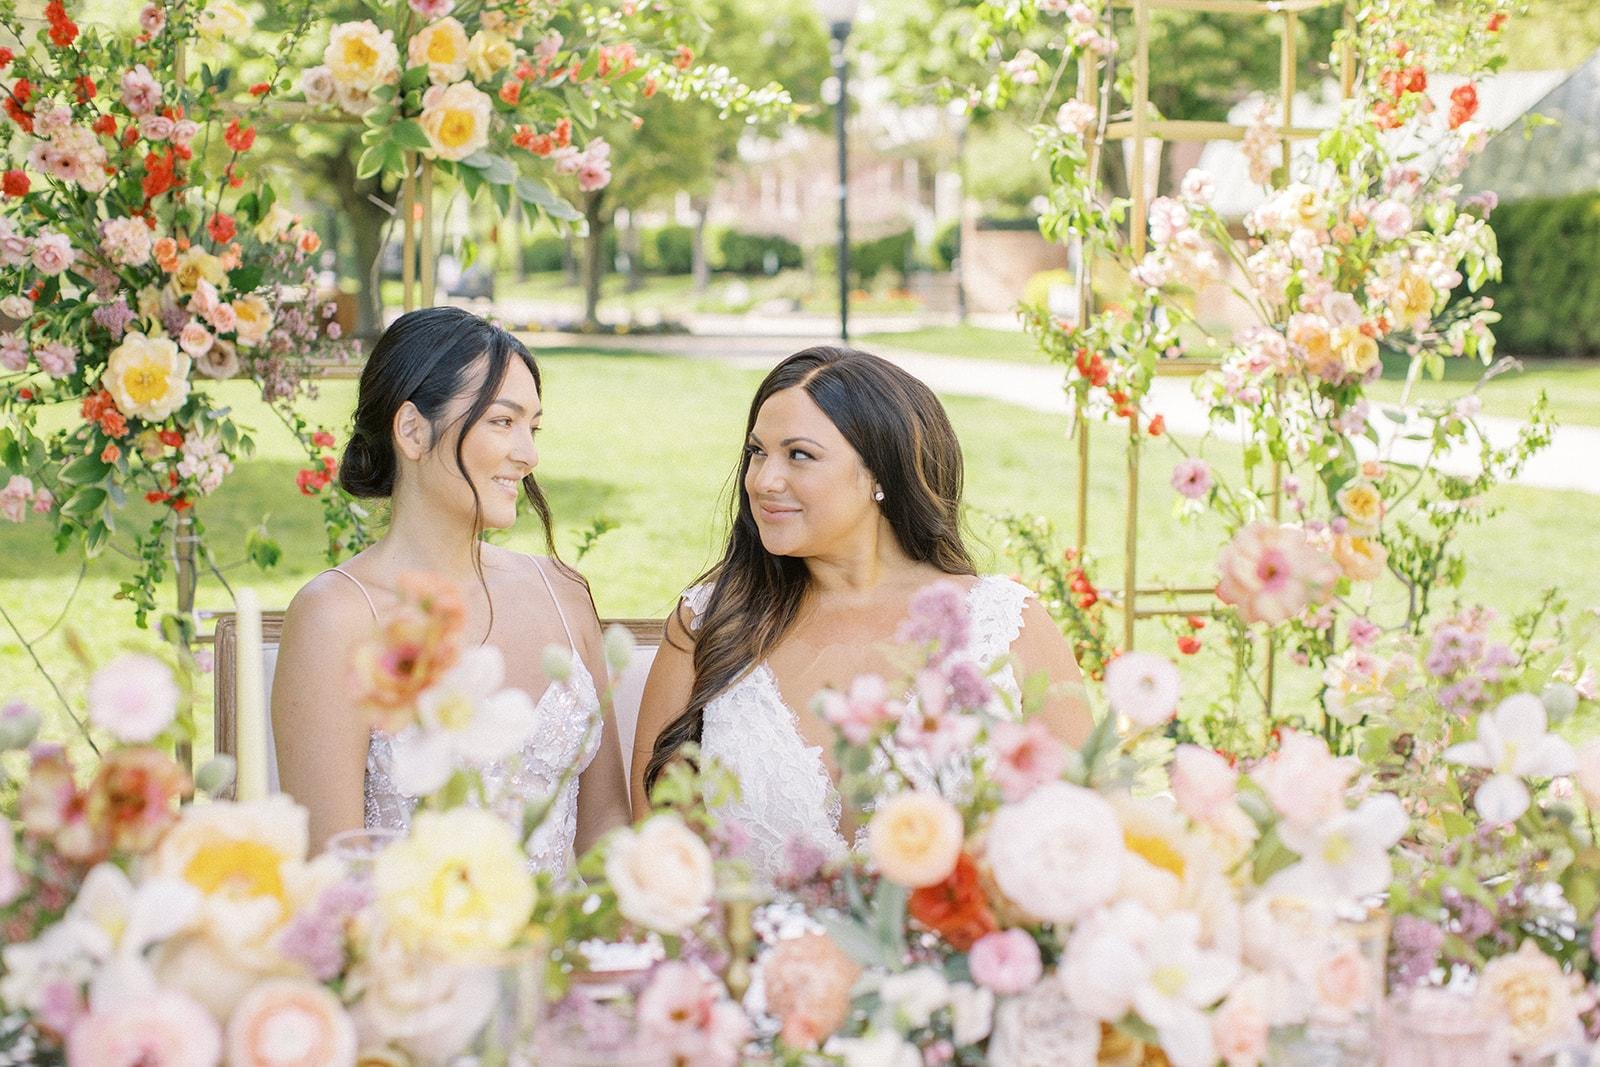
1571 462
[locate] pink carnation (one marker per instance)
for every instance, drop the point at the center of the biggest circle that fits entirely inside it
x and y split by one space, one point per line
53 253
141 93
1272 573
159 1029
1006 962
1026 756
56 358
14 498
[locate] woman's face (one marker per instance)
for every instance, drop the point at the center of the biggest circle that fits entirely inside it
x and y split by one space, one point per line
809 491
498 450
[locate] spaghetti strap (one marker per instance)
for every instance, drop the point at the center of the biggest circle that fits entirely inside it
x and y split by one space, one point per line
573 645
367 596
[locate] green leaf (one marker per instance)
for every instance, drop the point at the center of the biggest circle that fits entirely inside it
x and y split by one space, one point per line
371 162
83 503
408 134
501 195
385 93
536 194
96 540
245 279
85 470
471 180
414 78
497 169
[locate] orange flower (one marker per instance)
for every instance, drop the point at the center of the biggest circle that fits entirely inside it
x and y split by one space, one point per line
955 908
133 798
808 982
165 251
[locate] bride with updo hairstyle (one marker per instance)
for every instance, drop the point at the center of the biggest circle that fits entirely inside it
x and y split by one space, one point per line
444 430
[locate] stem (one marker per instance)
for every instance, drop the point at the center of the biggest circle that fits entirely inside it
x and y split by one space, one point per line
83 727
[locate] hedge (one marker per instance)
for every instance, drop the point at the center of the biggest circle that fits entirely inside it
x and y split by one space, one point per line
1549 298
748 253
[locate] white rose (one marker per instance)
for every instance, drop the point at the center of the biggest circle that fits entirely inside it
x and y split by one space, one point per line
1042 1028
428 1007
661 873
1058 853
915 995
885 1048
971 1013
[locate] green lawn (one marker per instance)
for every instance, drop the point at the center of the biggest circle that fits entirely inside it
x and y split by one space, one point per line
650 442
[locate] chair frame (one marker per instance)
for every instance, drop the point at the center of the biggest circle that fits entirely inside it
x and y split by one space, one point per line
225 650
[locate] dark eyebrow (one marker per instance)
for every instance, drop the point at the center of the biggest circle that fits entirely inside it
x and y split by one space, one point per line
795 440
516 407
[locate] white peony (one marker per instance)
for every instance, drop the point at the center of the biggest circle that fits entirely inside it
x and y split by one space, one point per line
662 875
1058 853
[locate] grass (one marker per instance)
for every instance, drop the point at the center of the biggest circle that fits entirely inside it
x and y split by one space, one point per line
650 442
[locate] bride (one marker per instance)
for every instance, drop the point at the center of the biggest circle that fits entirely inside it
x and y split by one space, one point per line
444 428
848 504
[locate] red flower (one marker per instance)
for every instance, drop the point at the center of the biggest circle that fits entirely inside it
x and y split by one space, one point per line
221 228
1416 80
6 56
156 496
134 797
171 438
1196 622
1188 644
182 504
956 908
1158 426
86 89
239 138
106 126
63 31
110 454
1496 20
16 102
511 91
322 439
649 88
25 393
1088 600
1463 104
562 133
260 88
684 58
1384 117
311 482
15 183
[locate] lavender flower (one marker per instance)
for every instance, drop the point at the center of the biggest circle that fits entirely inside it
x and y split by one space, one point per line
1416 943
114 318
938 617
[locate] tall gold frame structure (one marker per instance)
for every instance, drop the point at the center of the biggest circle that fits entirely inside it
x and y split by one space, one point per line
1141 129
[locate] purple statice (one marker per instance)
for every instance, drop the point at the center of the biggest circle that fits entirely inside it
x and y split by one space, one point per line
938 617
316 937
114 318
969 687
1415 945
803 860
173 318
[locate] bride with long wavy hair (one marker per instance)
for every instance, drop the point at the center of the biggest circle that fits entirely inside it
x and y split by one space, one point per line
848 503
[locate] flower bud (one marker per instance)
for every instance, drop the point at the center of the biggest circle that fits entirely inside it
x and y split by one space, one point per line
1560 700
618 649
216 774
19 725
556 663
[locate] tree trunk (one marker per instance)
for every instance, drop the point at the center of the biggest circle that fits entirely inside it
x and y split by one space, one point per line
368 222
569 261
700 264
594 267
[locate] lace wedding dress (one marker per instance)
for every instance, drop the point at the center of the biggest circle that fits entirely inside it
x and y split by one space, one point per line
562 715
786 793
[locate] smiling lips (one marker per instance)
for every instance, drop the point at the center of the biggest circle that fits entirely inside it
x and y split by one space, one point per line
510 485
776 512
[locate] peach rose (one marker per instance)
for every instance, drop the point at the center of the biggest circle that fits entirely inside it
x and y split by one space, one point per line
915 839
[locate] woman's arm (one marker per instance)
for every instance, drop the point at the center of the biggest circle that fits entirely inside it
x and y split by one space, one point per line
666 694
318 731
1040 647
602 787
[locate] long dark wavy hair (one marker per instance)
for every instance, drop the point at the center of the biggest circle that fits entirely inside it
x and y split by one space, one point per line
903 436
426 357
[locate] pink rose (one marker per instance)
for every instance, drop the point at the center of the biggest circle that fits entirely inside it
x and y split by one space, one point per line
1006 962
222 318
52 253
160 1028
1202 783
141 93
183 131
195 339
14 498
152 19
1192 478
1027 755
156 127
16 306
56 358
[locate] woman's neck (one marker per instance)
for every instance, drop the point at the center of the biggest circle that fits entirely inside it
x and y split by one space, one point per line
419 540
863 567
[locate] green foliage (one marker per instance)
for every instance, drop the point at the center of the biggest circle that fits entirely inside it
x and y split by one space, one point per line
1549 300
944 245
746 253
673 247
892 253
543 254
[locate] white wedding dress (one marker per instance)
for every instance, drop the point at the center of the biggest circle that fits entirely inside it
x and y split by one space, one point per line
786 794
563 717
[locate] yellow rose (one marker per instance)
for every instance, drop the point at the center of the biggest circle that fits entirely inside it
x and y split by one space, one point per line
274 223
1362 559
360 57
1357 353
1537 998
456 119
489 54
1361 505
253 319
441 47
1413 298
915 839
195 265
223 21
459 886
148 377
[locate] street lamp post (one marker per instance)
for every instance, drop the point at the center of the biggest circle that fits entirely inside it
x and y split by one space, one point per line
839 14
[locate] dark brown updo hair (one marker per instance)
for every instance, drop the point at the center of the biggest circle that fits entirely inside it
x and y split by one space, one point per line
904 438
426 357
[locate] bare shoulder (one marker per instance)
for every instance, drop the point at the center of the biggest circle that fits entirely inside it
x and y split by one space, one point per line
328 603
570 589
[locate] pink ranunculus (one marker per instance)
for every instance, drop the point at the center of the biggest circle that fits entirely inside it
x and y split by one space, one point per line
594 174
16 306
53 253
1192 478
1303 781
195 339
1006 961
1202 783
1272 573
153 19
13 352
141 93
1027 755
156 127
14 498
14 246
56 358
161 1028
134 698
